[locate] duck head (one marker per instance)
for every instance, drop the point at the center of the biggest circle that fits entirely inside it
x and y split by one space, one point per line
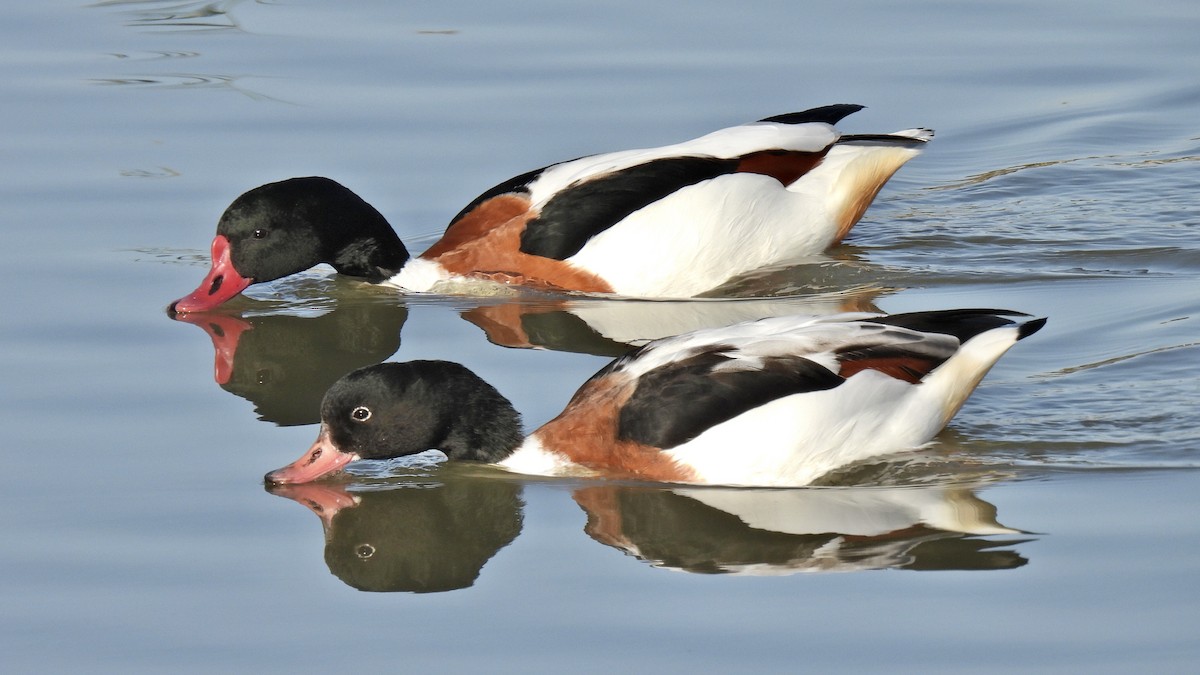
279 229
391 410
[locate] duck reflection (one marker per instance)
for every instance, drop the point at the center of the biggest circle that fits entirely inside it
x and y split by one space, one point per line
774 532
610 327
434 531
418 535
284 363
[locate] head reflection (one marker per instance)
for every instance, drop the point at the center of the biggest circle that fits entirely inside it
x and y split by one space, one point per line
420 535
284 363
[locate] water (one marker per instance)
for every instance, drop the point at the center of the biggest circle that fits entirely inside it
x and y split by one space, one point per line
1051 528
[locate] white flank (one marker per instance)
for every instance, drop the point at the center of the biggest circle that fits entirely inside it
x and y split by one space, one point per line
796 439
705 234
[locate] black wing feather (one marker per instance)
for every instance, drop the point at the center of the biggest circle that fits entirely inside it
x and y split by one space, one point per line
579 213
676 402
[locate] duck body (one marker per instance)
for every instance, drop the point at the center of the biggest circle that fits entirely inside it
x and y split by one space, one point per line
773 402
672 221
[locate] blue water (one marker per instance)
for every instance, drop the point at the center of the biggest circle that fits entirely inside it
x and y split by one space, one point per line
138 536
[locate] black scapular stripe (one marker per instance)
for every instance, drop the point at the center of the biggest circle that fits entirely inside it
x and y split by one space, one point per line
515 185
579 213
677 402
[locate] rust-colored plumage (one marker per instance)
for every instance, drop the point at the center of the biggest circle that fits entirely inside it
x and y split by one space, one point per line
486 244
586 433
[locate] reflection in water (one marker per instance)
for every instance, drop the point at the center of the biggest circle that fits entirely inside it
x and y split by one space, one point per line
420 535
744 531
608 327
434 528
283 364
843 269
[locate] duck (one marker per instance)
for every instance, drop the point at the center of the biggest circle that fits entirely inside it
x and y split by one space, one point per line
666 222
774 402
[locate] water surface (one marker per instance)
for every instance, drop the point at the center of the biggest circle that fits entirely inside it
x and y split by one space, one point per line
1051 528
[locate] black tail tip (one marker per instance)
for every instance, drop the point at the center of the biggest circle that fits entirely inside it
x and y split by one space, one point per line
1030 327
829 114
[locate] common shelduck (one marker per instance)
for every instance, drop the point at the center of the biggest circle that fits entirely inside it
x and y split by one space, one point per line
672 221
772 402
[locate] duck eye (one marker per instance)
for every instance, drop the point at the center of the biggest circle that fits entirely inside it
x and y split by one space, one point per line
361 414
364 551
260 233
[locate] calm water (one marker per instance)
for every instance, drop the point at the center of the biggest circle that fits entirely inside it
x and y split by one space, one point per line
1052 527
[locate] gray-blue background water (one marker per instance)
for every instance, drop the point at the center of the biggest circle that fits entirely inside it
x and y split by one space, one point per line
138 537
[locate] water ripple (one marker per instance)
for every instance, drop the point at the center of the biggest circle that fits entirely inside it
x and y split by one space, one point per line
986 176
155 55
157 172
175 16
186 81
